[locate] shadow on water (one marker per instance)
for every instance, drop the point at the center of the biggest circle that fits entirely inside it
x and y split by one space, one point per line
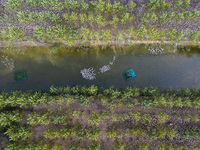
154 65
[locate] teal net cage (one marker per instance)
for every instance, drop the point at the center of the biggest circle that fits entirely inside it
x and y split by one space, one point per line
129 74
20 75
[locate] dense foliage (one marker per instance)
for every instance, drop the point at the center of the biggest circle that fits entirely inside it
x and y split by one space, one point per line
78 21
118 115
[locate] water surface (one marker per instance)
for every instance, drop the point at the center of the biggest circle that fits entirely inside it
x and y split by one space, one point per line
176 70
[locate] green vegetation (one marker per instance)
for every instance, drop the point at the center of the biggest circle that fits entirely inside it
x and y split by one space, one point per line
113 115
99 20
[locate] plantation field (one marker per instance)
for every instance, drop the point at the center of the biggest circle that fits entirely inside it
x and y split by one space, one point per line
79 22
81 117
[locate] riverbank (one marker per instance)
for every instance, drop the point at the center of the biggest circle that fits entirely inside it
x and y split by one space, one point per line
93 43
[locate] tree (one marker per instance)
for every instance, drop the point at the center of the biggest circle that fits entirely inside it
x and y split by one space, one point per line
32 3
99 5
186 4
92 90
39 32
94 146
84 33
84 6
106 35
83 18
94 118
119 145
178 4
136 116
93 133
171 133
8 117
162 117
117 7
111 132
132 5
162 18
143 146
71 4
153 33
146 118
56 5
115 21
179 17
126 18
18 132
22 17
171 16
141 32
15 33
13 4
108 7
160 146
153 17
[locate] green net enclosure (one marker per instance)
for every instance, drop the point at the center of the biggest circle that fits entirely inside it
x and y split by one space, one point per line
20 75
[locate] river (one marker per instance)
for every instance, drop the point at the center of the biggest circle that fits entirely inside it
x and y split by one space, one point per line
65 67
